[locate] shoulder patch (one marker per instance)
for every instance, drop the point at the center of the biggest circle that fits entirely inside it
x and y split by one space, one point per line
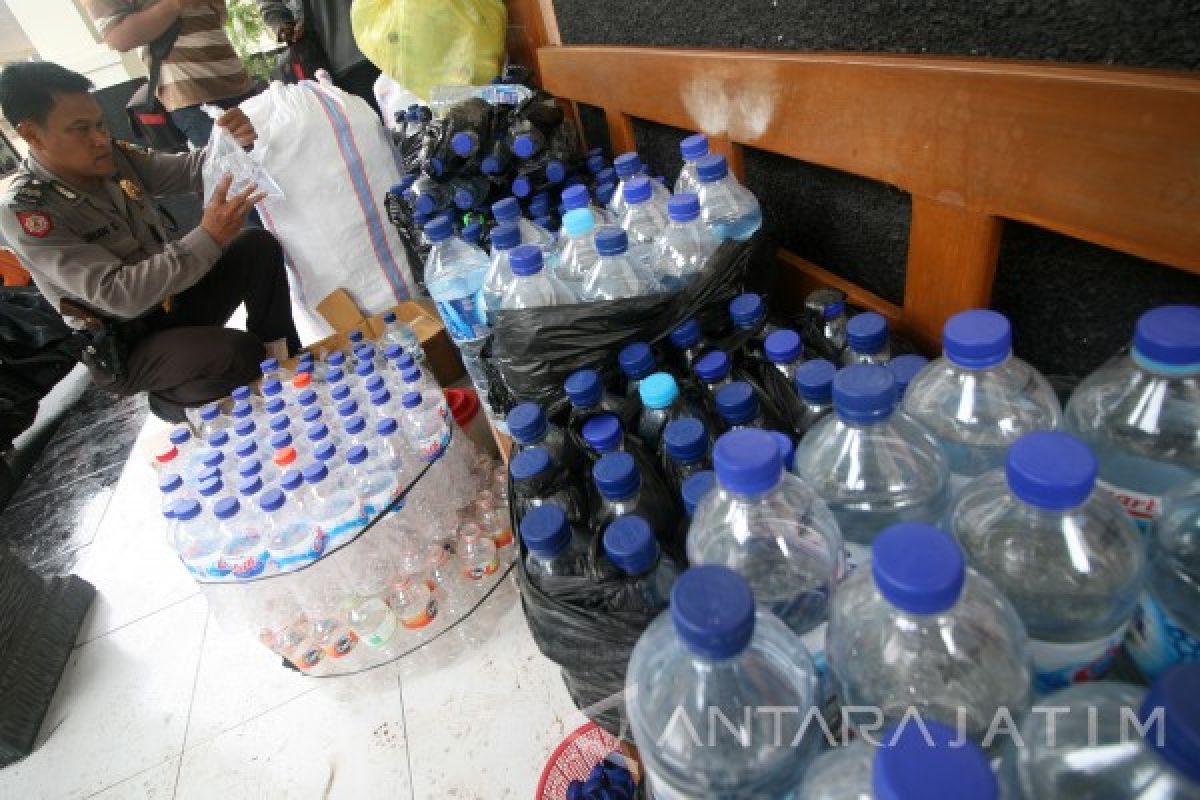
130 147
35 223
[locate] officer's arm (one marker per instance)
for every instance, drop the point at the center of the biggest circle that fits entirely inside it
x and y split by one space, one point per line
168 173
95 276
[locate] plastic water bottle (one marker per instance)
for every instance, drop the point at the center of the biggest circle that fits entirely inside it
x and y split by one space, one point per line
979 398
210 492
370 616
615 275
712 652
785 350
509 210
454 274
737 405
532 286
693 148
712 369
424 427
603 434
375 486
553 552
661 403
905 368
814 385
1065 555
212 421
332 506
769 526
643 220
414 379
505 238
624 490
914 761
1113 740
919 630
401 333
477 555
171 485
285 458
578 257
244 550
576 197
627 167
529 428
1166 624
695 488
828 305
589 397
727 208
536 482
1140 412
630 547
271 371
197 540
292 539
682 250
687 339
787 448
867 340
871 463
637 362
686 444
749 314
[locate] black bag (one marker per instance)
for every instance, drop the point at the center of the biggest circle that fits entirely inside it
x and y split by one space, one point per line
301 60
149 120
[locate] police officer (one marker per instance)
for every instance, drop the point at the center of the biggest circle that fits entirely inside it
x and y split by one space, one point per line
81 215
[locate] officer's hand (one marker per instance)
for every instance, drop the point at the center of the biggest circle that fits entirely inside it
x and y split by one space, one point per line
224 216
239 125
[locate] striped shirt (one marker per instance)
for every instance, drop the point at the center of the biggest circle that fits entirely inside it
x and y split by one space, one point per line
202 66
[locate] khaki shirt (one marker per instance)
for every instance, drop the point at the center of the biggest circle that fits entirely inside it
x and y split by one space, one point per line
107 249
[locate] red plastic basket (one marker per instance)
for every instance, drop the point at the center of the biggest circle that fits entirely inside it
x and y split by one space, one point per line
574 758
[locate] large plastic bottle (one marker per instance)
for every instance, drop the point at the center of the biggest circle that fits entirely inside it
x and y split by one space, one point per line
1166 625
711 653
292 539
424 426
695 488
814 385
687 339
637 362
624 489
693 148
553 551
1140 412
737 405
682 250
1064 554
661 403
529 428
867 340
871 463
533 286
454 274
627 167
615 275
198 540
537 481
331 505
785 349
505 238
713 370
770 527
685 441
905 369
603 434
643 220
978 398
589 397
630 548
729 209
920 630
244 550
579 255
509 210
1113 740
748 312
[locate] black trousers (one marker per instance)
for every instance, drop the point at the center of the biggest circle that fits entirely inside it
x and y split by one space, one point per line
186 356
360 80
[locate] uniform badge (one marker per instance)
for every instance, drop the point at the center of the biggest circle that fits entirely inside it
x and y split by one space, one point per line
131 190
35 223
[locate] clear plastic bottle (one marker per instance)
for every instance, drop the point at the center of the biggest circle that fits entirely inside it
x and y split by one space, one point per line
712 369
1140 412
292 539
814 384
615 275
661 403
424 427
685 442
829 307
695 488
920 630
370 617
413 603
729 209
505 238
628 166
978 398
682 250
688 341
477 556
712 652
244 551
872 464
1064 554
637 363
536 482
787 448
576 197
553 551
401 333
491 515
509 210
532 286
332 506
1166 624
198 540
415 379
749 314
588 396
325 603
171 485
693 148
785 349
454 275
603 434
643 220
212 421
630 547
375 486
770 527
1095 747
737 405
867 340
529 428
578 257
625 490
915 761
905 368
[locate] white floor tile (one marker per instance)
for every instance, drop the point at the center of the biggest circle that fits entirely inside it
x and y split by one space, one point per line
121 708
344 739
156 783
484 708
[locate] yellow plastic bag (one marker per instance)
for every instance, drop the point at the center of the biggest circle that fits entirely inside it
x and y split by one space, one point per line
422 44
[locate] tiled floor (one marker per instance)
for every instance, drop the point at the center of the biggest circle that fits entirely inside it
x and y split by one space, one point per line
158 701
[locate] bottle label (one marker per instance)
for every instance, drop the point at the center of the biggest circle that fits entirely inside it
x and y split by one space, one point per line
342 645
1156 640
464 315
1058 665
308 658
247 566
503 538
382 634
478 573
422 618
1142 508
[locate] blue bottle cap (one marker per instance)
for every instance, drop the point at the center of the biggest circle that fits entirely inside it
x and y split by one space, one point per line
658 390
317 432
249 484
737 403
210 412
712 610
275 405
505 236
336 358
611 241
506 210
212 458
544 530
787 448
281 440
491 165
1050 470
975 339
393 352
464 143
529 463
696 487
335 375
440 228
347 408
169 482
867 332
556 171
315 473
381 397
604 193
357 454
783 346
1177 693
911 765
712 366
522 186
1169 335
411 375
596 164
603 433
686 335
747 461
918 568
578 222
280 422
404 361
271 500
389 317
291 480
711 167
464 199
694 147
583 388
312 415
637 190
636 360
436 167
269 364
411 400
356 336
685 439
525 260
472 232
574 197
630 546
355 425
683 207
814 381
524 145
185 510
180 435
747 310
218 439
241 410
627 165
325 451
210 473
864 393
246 449
539 204
241 394
210 487
526 423
246 427
251 466
364 369
904 368
616 476
385 427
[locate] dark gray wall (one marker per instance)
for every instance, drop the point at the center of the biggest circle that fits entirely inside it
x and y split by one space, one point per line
1072 304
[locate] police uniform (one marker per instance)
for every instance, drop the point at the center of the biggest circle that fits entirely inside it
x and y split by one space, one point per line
109 250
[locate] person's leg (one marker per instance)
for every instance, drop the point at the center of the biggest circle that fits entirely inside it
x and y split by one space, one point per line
191 366
360 80
194 124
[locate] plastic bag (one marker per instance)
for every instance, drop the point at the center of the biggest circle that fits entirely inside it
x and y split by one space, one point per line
422 45
224 156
